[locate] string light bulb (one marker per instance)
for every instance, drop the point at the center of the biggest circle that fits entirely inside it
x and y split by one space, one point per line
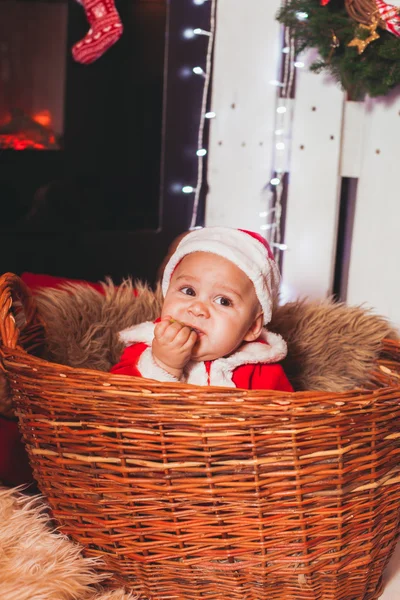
185 72
189 34
187 189
199 31
198 71
210 115
201 152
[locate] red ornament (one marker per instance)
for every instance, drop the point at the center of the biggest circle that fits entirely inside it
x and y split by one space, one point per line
390 15
325 2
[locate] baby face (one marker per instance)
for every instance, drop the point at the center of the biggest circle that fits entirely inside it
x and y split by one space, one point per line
214 297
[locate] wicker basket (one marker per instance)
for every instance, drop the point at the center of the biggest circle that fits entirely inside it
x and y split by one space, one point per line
193 493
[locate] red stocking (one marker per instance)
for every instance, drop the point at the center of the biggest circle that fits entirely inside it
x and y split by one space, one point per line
105 29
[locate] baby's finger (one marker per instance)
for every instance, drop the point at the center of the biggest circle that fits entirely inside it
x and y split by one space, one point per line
191 340
170 332
183 335
160 328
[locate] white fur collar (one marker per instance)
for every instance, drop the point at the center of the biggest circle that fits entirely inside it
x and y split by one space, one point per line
221 371
144 332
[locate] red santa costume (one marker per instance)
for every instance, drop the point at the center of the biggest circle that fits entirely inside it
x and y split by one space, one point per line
254 364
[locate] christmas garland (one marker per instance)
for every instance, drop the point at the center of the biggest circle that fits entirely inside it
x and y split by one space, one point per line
358 41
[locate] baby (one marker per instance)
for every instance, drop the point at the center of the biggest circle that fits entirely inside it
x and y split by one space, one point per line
219 289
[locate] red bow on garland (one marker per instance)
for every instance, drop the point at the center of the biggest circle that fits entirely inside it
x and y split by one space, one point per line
390 15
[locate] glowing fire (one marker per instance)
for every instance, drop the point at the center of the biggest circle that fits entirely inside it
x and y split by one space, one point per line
43 118
19 142
24 132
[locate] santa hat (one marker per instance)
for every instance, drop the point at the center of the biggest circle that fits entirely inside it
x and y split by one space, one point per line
247 250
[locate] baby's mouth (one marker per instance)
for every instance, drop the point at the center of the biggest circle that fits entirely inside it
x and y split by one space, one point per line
198 331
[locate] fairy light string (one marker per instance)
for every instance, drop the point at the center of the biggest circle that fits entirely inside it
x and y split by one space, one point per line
272 216
204 113
281 142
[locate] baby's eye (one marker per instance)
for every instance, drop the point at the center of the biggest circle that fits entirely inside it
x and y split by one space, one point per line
223 301
189 291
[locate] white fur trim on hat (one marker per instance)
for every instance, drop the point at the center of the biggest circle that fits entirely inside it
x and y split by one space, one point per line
240 248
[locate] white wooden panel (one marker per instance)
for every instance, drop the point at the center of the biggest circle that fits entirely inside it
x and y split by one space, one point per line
247 57
314 187
353 139
374 276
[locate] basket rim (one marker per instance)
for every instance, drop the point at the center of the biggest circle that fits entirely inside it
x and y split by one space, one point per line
107 379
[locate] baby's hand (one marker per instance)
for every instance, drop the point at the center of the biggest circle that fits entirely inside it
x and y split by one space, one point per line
172 345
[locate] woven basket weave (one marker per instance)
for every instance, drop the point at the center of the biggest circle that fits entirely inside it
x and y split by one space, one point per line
194 492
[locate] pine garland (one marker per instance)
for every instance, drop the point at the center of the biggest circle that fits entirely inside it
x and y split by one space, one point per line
375 72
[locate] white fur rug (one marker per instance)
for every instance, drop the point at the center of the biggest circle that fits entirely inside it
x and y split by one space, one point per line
38 563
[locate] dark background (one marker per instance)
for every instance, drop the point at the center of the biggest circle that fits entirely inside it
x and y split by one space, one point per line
109 201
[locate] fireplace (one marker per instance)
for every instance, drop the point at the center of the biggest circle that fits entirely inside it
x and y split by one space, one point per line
95 201
33 37
80 146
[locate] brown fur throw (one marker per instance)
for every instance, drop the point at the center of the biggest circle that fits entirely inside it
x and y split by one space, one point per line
37 563
330 346
82 324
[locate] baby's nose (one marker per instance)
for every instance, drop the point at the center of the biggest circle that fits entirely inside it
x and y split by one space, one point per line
199 309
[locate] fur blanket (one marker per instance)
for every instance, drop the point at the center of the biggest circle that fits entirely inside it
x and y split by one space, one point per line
38 563
331 346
